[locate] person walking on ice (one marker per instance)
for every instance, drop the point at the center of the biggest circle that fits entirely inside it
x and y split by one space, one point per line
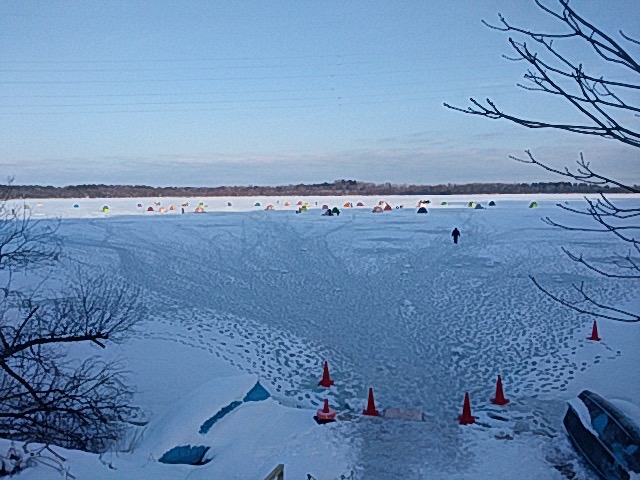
455 234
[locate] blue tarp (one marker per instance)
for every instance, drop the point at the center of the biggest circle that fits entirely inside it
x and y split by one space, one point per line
186 455
256 394
206 426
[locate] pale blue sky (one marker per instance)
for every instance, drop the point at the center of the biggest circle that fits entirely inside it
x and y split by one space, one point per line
277 92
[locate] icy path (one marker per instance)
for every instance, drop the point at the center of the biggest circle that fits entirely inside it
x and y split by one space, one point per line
387 299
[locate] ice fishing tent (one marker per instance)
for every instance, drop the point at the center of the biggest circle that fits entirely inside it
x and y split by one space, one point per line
422 210
229 204
162 210
287 204
377 209
348 205
199 209
533 205
335 210
471 204
105 209
387 207
382 203
325 207
492 203
150 209
139 205
75 205
257 204
478 207
300 203
269 207
303 208
360 204
443 203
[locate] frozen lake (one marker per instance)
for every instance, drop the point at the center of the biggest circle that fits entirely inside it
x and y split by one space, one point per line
392 304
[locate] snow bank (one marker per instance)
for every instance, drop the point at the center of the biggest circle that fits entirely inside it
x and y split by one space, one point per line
182 422
247 442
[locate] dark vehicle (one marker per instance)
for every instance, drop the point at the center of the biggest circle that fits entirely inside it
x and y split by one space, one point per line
607 439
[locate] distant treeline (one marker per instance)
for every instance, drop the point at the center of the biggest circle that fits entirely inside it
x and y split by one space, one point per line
338 187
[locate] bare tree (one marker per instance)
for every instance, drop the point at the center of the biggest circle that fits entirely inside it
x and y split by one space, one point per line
46 394
604 106
24 242
15 459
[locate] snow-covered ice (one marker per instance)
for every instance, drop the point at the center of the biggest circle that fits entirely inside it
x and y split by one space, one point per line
239 294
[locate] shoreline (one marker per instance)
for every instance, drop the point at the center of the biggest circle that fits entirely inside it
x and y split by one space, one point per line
95 207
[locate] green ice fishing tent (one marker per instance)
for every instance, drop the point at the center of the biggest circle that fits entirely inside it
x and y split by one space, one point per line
533 205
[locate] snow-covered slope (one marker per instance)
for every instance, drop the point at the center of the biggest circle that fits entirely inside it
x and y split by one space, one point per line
240 295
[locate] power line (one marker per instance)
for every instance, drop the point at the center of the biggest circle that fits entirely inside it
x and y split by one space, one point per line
206 59
219 79
260 100
240 105
181 69
218 92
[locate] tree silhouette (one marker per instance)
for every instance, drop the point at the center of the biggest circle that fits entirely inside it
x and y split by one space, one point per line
46 395
604 105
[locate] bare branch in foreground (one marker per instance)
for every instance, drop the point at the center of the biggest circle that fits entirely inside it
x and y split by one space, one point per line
608 312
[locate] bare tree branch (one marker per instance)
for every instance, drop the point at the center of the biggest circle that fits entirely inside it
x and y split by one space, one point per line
583 174
599 101
612 313
580 259
594 93
44 395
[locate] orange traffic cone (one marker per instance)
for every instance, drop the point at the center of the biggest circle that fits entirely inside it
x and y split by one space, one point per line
325 414
466 418
499 398
594 333
326 380
371 406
